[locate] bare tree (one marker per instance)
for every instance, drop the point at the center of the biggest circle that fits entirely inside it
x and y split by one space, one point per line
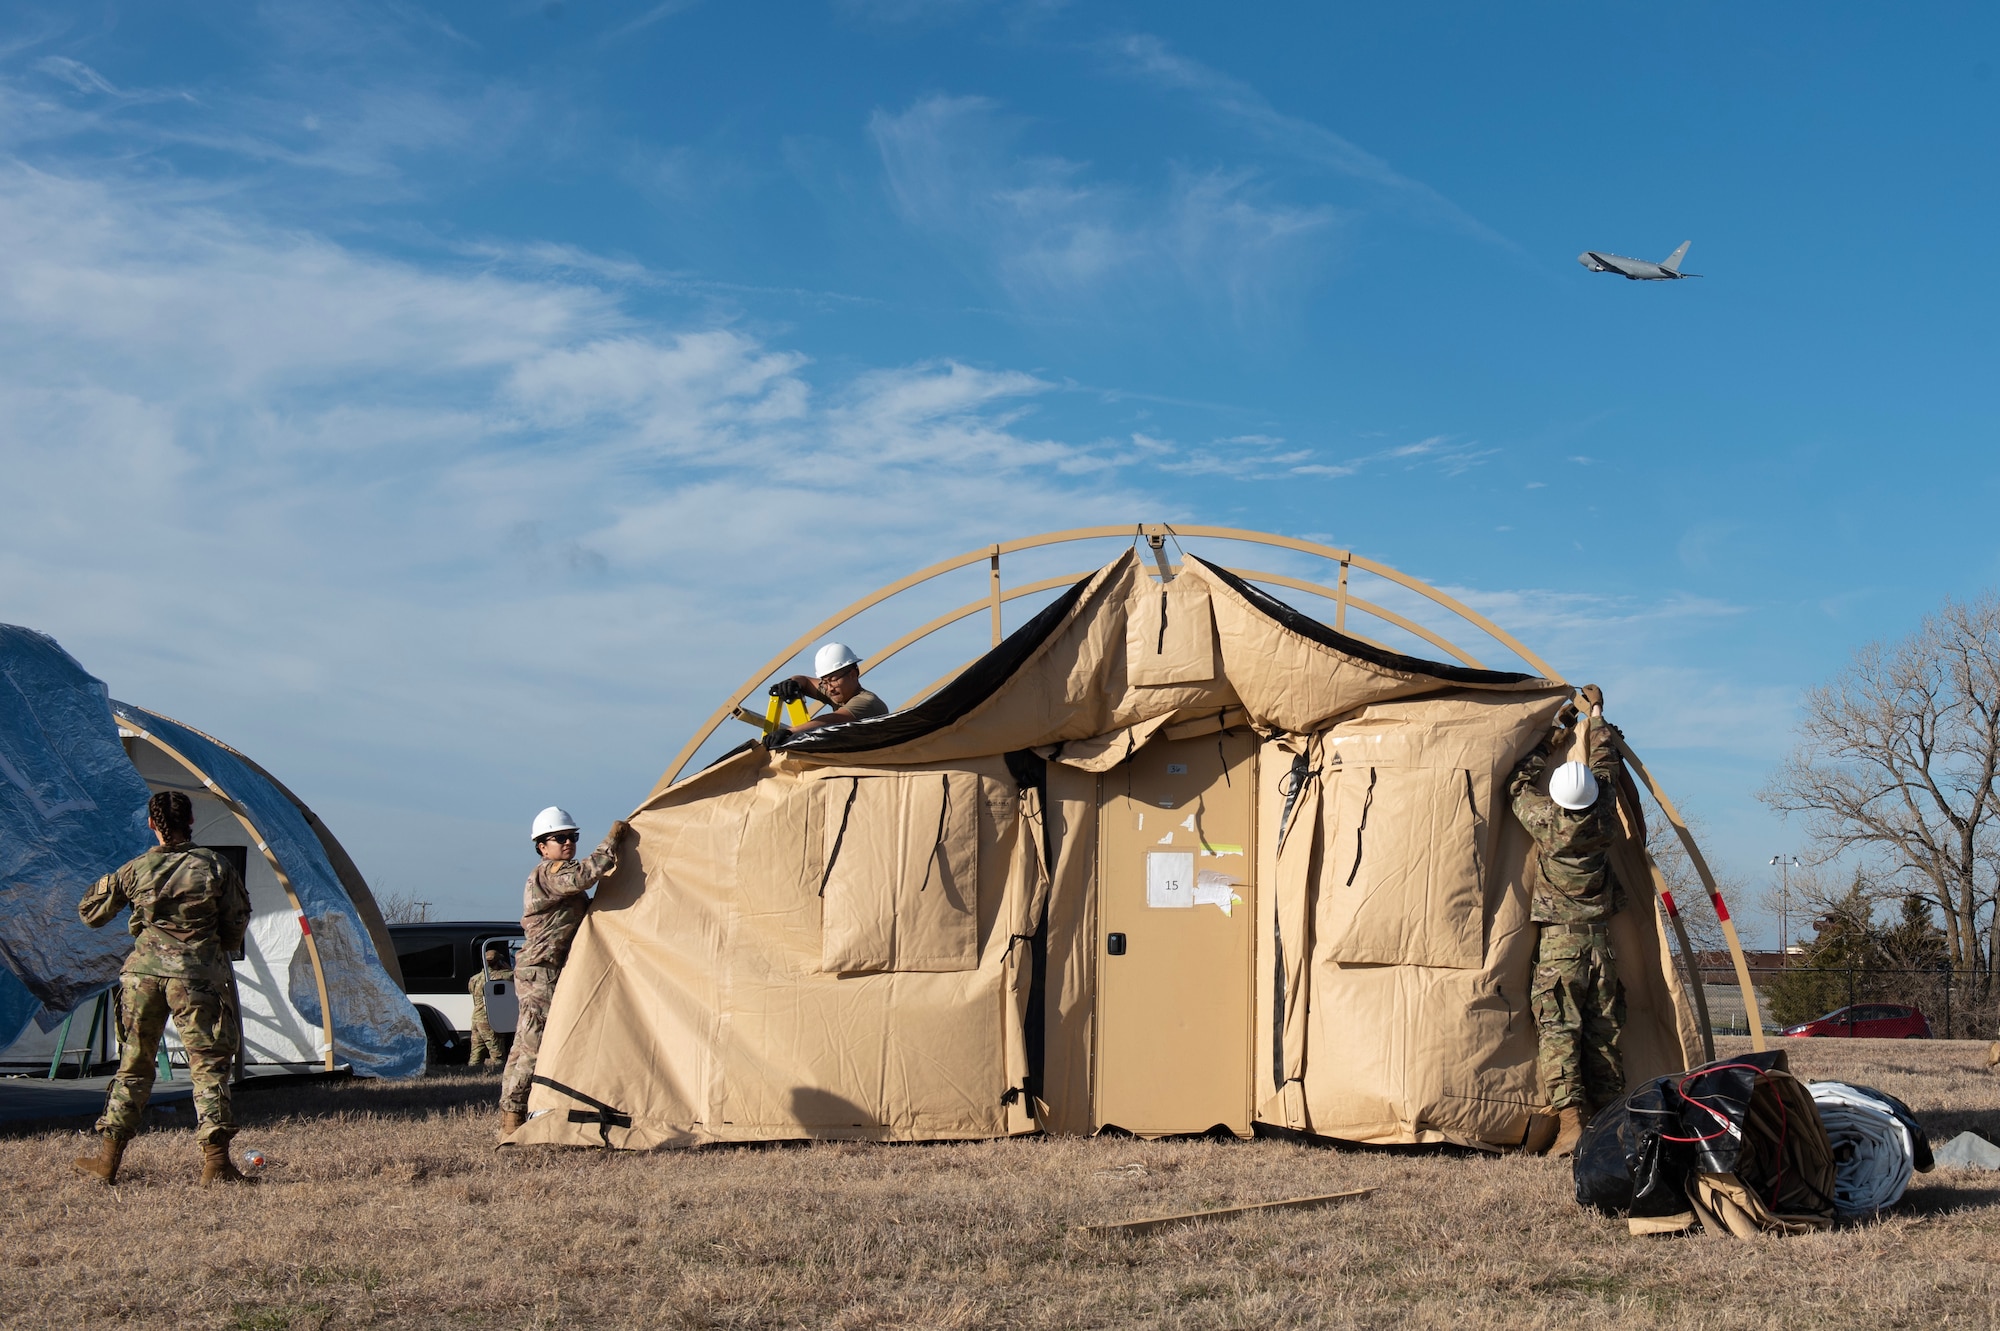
401 907
1818 893
1899 762
1704 929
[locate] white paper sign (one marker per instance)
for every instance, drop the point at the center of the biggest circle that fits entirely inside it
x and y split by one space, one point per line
1170 879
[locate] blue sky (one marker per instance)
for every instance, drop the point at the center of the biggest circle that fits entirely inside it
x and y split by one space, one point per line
449 404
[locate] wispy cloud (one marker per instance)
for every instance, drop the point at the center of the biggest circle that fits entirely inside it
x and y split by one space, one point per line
645 19
1048 228
1150 58
1266 457
282 470
341 105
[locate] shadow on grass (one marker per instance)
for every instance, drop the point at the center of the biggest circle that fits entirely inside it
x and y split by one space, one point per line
1941 1125
1933 1194
439 1092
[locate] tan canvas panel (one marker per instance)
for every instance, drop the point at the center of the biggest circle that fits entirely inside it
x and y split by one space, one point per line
1405 882
899 878
1296 861
695 1006
1070 970
1171 638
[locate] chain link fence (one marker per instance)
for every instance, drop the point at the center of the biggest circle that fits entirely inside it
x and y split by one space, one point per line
1957 1006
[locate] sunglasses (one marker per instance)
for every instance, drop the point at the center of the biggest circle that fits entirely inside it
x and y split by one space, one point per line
566 838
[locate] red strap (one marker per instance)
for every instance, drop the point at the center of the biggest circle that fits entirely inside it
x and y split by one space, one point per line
1721 911
305 928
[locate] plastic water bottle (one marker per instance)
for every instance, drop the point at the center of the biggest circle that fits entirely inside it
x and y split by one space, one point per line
254 1160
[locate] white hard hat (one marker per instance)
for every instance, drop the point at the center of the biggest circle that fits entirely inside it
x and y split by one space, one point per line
834 658
1573 786
553 819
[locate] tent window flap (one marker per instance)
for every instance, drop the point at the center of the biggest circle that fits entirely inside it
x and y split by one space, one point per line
901 869
1404 883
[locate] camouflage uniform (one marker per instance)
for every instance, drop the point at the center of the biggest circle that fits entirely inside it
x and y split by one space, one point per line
484 1040
1579 1003
189 913
554 905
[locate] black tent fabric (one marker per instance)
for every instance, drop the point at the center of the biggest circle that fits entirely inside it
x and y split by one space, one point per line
1745 1117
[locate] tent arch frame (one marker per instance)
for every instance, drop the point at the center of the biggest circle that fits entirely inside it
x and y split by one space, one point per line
1156 535
270 857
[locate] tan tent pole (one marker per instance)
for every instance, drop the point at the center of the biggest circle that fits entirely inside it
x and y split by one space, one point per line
993 596
966 611
950 617
1714 896
991 553
1342 601
1458 608
875 598
1666 896
284 879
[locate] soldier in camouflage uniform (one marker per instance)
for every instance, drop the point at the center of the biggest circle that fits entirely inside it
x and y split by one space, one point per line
554 903
1579 1003
485 1042
189 914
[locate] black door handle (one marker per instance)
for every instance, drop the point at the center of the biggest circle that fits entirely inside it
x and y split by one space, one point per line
1115 944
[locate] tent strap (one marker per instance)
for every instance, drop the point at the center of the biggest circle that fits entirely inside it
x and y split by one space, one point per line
603 1115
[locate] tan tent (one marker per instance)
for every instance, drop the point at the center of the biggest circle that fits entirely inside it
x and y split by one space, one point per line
1171 857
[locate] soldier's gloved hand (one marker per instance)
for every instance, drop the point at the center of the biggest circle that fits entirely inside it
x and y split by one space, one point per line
618 831
778 735
787 690
1595 697
1566 717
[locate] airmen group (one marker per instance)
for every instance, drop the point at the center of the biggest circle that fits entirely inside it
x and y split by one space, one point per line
189 913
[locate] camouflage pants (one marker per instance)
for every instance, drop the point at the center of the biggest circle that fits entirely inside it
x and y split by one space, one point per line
206 1019
486 1044
1580 1014
534 986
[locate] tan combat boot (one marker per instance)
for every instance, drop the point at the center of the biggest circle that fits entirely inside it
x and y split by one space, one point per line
1569 1131
509 1120
103 1165
217 1167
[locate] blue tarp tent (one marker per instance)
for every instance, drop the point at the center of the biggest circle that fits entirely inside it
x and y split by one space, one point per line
71 809
75 773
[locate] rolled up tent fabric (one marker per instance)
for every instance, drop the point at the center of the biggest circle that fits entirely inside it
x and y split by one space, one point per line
1873 1154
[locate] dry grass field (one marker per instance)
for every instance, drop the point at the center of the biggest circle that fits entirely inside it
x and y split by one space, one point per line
386 1205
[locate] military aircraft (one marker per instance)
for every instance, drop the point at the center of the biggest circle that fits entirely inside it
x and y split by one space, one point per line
1638 270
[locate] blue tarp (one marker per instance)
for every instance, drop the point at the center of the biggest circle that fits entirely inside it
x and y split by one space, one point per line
71 810
375 1027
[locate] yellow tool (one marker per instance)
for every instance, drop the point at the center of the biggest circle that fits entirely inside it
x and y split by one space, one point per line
794 709
783 698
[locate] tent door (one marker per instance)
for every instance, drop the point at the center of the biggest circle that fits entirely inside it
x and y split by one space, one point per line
1176 901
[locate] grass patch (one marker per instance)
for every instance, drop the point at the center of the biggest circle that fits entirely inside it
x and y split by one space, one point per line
387 1206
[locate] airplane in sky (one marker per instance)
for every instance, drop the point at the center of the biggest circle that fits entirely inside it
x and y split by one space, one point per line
1638 270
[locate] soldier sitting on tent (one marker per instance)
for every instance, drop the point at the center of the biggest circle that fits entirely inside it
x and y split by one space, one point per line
1579 1003
189 914
838 686
485 1043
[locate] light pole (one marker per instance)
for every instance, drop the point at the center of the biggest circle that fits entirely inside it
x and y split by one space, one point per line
1785 864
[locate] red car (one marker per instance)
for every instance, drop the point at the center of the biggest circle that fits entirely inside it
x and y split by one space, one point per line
1868 1021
